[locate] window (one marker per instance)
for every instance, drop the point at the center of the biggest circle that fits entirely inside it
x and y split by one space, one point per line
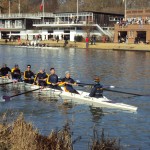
18 23
7 24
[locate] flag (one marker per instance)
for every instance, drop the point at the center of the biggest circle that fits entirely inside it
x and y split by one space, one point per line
41 6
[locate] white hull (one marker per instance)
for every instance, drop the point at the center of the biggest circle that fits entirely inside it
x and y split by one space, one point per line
82 96
35 47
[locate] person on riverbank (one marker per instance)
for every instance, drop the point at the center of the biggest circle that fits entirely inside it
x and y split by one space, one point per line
4 71
87 42
41 78
16 73
57 38
52 80
29 75
67 81
94 40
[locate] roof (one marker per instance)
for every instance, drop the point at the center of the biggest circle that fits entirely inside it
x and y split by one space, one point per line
96 12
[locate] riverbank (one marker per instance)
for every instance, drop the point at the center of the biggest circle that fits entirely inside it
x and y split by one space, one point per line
21 135
101 46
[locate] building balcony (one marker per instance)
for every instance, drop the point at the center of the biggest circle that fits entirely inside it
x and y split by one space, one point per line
11 27
137 27
26 15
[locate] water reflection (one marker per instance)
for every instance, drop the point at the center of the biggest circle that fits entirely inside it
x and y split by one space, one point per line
97 113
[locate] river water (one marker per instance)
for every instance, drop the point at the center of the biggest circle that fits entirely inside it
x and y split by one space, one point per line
128 71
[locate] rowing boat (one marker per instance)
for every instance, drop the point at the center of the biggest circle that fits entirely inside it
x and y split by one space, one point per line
82 96
38 47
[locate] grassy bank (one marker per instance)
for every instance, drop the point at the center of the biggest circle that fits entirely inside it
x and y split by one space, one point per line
21 135
103 46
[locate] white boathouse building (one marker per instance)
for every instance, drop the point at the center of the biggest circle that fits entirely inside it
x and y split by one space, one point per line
27 26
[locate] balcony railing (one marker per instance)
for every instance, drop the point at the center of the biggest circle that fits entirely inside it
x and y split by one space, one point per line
2 26
26 15
58 22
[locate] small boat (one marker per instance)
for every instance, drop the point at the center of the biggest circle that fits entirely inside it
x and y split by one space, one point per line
82 96
37 47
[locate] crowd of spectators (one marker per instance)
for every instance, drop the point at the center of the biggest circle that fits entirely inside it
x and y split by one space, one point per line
130 21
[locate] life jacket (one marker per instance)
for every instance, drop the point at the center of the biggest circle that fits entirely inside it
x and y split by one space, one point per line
52 79
4 71
28 74
97 91
41 75
16 73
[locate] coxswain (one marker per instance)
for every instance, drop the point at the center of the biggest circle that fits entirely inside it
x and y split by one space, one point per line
68 82
4 71
97 90
52 80
41 78
29 75
16 73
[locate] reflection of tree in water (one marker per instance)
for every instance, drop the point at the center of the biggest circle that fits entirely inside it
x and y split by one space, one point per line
65 106
97 113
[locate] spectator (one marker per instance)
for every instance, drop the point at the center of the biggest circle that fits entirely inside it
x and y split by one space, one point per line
57 38
87 42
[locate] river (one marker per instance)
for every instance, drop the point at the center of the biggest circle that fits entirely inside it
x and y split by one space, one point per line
128 71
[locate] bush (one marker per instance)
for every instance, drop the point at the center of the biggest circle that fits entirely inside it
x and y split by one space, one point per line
78 38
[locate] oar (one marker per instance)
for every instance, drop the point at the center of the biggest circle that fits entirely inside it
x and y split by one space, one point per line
116 91
6 83
7 98
91 85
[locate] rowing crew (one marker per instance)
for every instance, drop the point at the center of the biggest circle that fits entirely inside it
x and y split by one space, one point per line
51 80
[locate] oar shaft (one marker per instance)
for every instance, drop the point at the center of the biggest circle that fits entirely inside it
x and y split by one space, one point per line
116 91
24 93
85 84
6 83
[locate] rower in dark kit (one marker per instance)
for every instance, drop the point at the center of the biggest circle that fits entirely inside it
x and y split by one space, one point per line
97 90
29 75
68 82
52 80
16 73
4 71
41 78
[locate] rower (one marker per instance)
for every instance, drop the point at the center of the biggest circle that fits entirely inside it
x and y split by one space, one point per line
68 82
52 80
16 73
41 78
4 71
97 90
29 75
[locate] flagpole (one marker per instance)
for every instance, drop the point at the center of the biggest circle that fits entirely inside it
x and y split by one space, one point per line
77 9
125 13
43 10
9 8
19 7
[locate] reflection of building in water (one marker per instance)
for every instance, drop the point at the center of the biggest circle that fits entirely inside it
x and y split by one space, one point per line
97 113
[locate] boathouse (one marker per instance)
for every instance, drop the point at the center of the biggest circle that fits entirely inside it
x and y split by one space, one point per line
47 25
135 29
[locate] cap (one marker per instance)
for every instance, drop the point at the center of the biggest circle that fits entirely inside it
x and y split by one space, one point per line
42 69
67 72
16 65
